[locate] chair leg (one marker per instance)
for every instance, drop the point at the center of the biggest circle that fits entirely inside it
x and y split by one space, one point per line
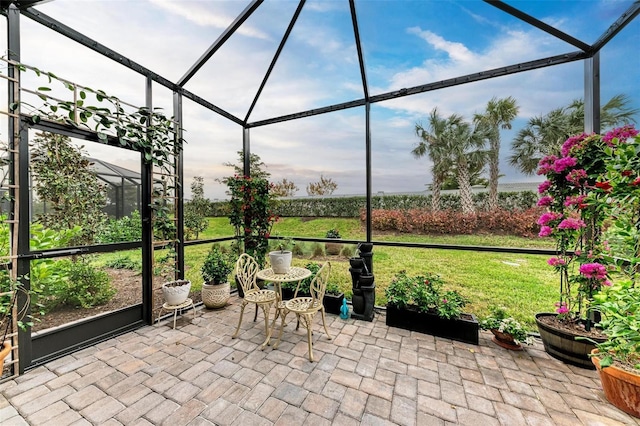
255 317
324 323
283 316
308 319
266 308
244 304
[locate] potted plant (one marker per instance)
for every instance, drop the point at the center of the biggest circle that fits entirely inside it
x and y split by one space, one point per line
332 248
577 201
215 271
507 331
333 298
175 292
289 288
618 358
281 257
419 303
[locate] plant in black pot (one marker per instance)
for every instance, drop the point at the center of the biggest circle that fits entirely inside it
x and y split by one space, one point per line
333 297
332 249
289 288
419 303
215 271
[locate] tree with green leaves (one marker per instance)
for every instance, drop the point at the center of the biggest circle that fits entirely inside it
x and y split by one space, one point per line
195 210
284 188
64 181
433 144
256 166
544 135
325 186
498 114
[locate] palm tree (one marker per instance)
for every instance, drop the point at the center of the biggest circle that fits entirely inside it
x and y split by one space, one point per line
465 145
545 134
432 143
498 114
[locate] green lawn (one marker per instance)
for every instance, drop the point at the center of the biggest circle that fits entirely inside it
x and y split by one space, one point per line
524 284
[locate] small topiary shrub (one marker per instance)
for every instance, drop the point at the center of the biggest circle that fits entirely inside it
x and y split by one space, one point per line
87 286
317 250
347 251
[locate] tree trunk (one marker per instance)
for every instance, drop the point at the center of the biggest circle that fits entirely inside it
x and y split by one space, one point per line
494 171
435 194
466 199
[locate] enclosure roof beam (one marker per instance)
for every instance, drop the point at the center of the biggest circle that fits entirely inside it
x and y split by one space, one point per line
356 33
74 35
285 37
220 41
470 78
539 24
617 26
22 4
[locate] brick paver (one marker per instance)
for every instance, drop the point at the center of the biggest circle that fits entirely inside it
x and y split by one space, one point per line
368 374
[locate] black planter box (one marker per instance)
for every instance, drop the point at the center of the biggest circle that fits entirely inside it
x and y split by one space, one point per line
464 329
332 303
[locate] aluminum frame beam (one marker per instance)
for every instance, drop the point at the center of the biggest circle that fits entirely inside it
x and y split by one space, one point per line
226 34
74 35
617 26
539 24
283 42
482 75
356 34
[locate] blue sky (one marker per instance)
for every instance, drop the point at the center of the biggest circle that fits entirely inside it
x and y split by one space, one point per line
406 43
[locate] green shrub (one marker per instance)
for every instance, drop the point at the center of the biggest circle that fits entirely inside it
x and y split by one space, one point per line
124 262
87 286
317 250
347 251
128 228
298 249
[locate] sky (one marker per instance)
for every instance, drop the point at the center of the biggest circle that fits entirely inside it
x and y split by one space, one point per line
405 44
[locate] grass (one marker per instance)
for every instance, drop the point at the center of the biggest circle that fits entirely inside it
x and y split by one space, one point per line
524 284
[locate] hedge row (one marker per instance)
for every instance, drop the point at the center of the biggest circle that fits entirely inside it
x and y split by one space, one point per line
352 206
519 222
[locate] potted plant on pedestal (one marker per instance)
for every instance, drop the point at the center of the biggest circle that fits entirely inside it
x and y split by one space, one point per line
507 331
419 303
332 248
215 271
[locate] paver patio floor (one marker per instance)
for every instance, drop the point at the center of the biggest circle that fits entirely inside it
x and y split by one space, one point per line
368 374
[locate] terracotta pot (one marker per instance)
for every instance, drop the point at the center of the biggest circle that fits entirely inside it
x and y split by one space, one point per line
6 349
505 340
332 249
215 296
621 387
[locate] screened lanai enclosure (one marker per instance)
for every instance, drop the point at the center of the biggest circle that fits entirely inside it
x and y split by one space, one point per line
173 90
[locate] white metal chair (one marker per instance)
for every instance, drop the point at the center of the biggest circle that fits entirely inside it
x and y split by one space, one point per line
305 308
246 270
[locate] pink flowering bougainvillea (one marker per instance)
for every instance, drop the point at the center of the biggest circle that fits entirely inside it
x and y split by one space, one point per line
577 195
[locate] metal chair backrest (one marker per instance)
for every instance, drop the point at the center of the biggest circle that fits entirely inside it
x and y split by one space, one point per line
246 270
319 283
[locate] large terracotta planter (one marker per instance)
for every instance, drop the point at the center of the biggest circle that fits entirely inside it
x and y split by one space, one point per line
621 387
564 346
215 296
464 329
6 349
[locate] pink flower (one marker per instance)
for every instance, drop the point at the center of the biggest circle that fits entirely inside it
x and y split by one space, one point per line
621 133
546 164
577 176
548 217
593 270
544 186
606 283
573 141
574 200
556 261
545 231
563 163
571 223
545 201
562 308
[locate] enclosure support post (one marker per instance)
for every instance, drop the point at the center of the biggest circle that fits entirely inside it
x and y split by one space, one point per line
179 169
146 170
246 151
368 166
592 94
